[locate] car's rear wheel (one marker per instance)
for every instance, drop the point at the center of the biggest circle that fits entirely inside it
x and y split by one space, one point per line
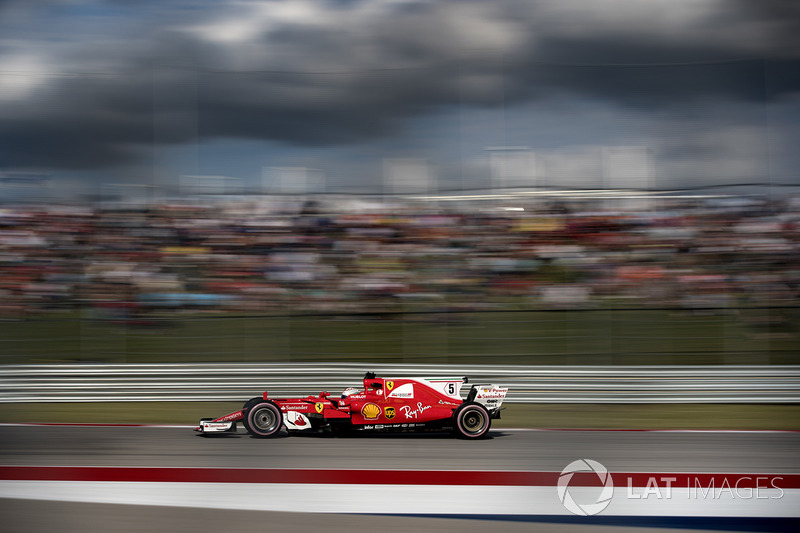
264 419
472 420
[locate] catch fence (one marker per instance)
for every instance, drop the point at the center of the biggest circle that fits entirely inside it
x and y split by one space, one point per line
527 384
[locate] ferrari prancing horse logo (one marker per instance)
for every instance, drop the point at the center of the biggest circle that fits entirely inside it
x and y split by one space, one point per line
319 406
389 385
388 412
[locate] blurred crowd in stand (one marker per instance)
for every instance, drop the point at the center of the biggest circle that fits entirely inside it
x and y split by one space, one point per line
243 256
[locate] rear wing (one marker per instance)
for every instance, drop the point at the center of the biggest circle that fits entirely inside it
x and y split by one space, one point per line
490 396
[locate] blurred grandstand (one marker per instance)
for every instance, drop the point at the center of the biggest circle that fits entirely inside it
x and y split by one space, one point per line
139 262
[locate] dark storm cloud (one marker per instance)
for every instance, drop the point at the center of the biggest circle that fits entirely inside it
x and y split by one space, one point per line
320 73
781 22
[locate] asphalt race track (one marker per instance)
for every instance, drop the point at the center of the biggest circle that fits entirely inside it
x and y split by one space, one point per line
619 451
505 450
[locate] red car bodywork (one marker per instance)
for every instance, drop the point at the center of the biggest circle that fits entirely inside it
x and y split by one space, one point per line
399 404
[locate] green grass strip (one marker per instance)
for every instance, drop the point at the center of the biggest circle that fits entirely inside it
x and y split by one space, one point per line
569 416
589 337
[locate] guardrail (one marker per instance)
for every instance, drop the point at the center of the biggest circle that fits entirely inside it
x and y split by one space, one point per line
528 384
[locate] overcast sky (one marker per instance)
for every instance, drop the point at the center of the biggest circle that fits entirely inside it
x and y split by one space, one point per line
681 92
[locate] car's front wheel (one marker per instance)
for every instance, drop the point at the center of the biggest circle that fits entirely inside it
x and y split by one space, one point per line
247 405
471 420
264 419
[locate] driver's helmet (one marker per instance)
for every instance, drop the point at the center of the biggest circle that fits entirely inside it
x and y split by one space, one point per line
348 391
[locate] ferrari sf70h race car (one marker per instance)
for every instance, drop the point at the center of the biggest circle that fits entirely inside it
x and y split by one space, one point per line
400 404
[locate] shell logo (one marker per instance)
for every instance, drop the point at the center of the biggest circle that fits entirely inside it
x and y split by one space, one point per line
371 411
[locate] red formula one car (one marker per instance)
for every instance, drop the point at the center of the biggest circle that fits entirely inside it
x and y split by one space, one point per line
401 404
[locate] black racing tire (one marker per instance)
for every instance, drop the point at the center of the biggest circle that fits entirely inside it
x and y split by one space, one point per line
471 421
247 405
264 419
251 402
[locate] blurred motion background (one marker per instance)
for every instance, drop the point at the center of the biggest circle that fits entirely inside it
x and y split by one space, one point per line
282 195
459 182
556 280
